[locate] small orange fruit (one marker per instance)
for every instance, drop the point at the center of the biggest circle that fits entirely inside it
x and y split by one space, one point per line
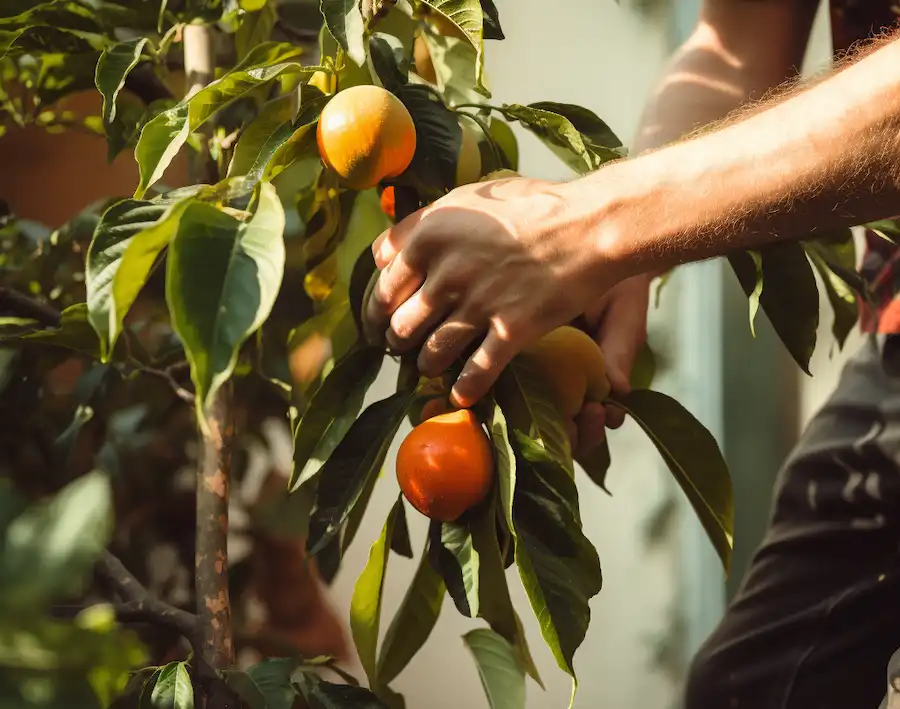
445 465
365 134
388 205
422 62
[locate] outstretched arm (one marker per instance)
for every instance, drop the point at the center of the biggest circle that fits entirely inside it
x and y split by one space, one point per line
503 263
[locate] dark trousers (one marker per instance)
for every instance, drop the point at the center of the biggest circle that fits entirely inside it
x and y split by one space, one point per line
817 617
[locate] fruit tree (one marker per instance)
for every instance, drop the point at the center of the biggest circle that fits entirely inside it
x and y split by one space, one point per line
191 304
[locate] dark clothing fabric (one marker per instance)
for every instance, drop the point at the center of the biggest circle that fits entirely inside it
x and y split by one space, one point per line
815 620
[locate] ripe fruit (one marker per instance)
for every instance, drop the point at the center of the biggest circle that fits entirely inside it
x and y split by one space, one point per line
388 205
573 366
468 165
445 465
365 135
422 60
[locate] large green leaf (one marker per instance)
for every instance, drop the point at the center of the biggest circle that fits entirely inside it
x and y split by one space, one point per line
163 137
501 674
593 129
173 689
265 685
113 68
263 132
321 694
835 260
492 29
127 243
695 460
454 557
789 295
455 64
468 16
345 23
74 332
353 466
438 138
494 602
222 278
556 131
49 549
413 623
523 394
558 566
332 411
365 605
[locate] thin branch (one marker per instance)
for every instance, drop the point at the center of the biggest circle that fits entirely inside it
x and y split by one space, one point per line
29 307
139 606
166 374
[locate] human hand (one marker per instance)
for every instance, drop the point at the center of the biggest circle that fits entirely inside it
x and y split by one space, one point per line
494 265
618 323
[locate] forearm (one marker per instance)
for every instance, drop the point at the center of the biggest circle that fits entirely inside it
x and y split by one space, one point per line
822 158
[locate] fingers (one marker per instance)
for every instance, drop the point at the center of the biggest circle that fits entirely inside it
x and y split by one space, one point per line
482 369
392 240
447 343
615 416
413 321
397 282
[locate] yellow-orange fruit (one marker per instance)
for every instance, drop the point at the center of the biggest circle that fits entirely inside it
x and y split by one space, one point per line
388 203
573 366
422 61
445 465
365 134
468 165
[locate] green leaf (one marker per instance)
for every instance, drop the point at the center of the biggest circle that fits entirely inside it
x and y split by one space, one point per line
332 411
468 16
163 137
413 623
353 465
494 602
593 129
501 675
222 279
400 541
455 64
320 694
126 244
596 464
262 135
49 550
73 333
643 371
113 68
526 402
506 140
455 558
695 460
345 23
887 229
557 132
757 289
558 566
438 138
173 688
789 297
365 606
835 260
265 685
255 28
492 29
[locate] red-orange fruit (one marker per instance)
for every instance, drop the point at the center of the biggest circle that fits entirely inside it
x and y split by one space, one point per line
445 465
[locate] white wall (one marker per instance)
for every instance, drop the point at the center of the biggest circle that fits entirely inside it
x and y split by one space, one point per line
606 57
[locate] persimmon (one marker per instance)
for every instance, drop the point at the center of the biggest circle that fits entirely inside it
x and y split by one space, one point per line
445 465
573 366
422 61
365 135
388 203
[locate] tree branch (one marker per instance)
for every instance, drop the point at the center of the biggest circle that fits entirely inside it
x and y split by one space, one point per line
138 605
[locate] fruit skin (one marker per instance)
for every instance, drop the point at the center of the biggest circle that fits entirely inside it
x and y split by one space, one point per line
422 62
445 465
365 135
388 202
573 366
468 164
